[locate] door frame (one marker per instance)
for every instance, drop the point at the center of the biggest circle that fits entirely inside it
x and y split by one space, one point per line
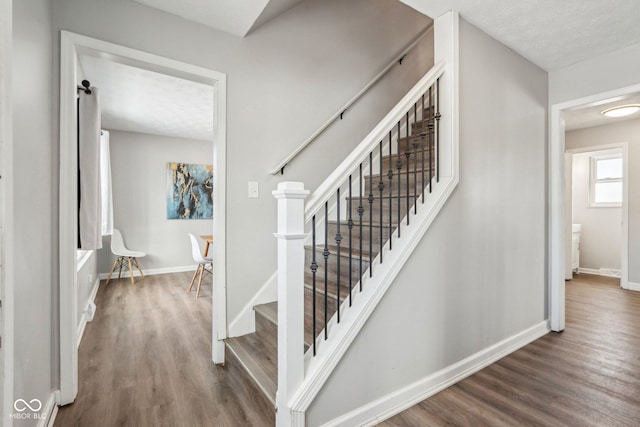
556 230
70 45
624 250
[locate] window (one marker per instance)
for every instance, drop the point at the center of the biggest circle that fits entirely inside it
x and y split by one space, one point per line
606 181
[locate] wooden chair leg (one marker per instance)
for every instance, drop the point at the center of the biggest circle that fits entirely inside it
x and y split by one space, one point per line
135 260
131 270
200 280
112 269
193 279
121 263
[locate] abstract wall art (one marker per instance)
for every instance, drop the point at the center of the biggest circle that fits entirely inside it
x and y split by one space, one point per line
189 191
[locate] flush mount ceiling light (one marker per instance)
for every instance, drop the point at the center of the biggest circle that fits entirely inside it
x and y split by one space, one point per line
621 110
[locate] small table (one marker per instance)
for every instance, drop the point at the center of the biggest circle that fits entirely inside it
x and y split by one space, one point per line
208 238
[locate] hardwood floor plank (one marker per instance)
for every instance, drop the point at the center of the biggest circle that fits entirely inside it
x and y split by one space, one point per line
588 375
145 360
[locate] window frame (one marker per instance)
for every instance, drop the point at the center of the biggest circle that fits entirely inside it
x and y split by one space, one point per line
593 180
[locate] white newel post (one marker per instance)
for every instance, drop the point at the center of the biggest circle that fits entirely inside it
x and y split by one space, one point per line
290 237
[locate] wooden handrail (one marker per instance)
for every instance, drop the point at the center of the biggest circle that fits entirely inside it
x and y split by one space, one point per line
399 58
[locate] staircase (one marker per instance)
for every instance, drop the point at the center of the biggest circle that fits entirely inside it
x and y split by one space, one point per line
383 191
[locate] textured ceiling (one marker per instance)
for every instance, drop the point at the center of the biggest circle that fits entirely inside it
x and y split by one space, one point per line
589 115
236 17
137 100
550 33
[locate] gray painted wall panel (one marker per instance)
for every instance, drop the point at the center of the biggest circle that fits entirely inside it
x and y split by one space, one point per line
284 80
138 170
34 249
478 276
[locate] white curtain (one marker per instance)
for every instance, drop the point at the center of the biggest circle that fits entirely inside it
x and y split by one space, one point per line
105 184
90 210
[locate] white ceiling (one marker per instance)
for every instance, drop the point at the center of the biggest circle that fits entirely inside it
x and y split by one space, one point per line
590 115
550 33
137 100
237 17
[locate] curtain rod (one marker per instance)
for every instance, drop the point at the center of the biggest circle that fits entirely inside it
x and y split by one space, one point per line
85 87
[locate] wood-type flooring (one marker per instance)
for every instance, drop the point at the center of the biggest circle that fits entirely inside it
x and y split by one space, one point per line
588 375
145 360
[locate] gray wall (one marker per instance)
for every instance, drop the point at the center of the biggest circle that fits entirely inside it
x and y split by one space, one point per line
35 276
478 276
601 235
284 80
628 131
139 177
600 239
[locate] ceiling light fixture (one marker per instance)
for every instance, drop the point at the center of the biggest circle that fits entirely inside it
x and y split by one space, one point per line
621 110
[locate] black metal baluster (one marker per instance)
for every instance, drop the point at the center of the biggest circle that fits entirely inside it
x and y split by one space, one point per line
423 136
325 254
430 126
438 130
407 155
360 213
415 162
381 188
314 268
350 224
370 211
390 175
338 240
399 168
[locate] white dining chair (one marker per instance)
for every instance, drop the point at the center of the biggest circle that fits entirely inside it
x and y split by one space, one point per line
205 264
124 256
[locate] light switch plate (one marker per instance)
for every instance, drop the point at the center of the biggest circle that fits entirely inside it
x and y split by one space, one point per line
253 190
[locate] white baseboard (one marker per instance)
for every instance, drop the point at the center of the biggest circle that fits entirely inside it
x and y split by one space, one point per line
49 412
633 286
606 272
245 321
89 311
149 272
396 402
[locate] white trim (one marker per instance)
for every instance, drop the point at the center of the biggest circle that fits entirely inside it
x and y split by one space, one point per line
6 213
149 272
245 321
330 352
556 202
89 311
71 44
633 286
50 410
381 409
605 272
81 261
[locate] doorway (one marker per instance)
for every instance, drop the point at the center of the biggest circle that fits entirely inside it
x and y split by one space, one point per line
558 223
71 46
596 200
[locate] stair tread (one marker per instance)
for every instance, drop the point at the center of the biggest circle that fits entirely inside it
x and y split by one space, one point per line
258 369
364 223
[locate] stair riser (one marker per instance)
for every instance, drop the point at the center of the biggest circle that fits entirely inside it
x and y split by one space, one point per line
386 207
355 235
414 162
332 271
265 328
391 186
